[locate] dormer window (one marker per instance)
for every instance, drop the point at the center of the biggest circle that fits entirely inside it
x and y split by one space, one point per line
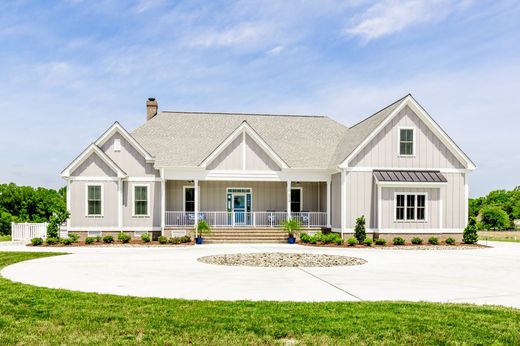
406 141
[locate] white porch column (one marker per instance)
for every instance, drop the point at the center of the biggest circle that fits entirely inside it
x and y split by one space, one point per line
196 186
328 203
343 200
120 204
288 199
379 207
163 203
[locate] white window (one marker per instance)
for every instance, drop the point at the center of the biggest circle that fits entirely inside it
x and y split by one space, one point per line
410 207
94 200
296 199
189 198
117 144
406 141
141 200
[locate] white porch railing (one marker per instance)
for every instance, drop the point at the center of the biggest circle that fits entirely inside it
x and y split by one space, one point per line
244 219
27 231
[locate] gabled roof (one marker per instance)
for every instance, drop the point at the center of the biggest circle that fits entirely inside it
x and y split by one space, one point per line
118 128
186 139
92 149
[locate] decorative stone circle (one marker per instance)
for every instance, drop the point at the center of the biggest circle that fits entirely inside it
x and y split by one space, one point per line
279 259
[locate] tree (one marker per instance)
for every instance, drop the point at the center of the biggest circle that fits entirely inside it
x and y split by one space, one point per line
56 220
493 217
474 206
470 235
359 232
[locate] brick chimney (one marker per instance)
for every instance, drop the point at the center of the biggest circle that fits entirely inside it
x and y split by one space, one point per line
151 108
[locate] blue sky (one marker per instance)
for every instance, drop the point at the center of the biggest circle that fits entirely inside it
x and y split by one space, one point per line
69 69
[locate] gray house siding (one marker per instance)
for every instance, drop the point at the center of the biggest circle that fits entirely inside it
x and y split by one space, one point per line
78 215
93 166
154 218
454 203
361 199
336 200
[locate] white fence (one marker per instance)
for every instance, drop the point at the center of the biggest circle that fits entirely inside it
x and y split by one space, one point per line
244 219
27 231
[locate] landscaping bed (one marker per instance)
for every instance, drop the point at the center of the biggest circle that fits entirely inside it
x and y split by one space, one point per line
122 240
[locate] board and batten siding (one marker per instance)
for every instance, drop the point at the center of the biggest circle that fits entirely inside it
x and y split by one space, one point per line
454 204
361 199
78 212
265 195
232 157
383 150
154 214
93 166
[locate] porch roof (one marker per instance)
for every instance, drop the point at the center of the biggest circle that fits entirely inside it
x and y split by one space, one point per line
410 176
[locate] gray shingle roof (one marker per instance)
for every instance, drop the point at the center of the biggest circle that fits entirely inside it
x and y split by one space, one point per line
410 176
186 139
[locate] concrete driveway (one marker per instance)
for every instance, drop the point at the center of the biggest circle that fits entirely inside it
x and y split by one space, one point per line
483 276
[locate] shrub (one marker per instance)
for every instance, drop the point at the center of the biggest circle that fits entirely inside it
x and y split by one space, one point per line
380 241
305 238
162 240
367 242
89 240
55 221
398 241
470 235
417 241
202 228
450 241
174 240
66 241
329 238
359 232
185 239
291 226
108 239
352 241
99 238
494 217
52 241
123 237
74 237
433 241
36 241
145 237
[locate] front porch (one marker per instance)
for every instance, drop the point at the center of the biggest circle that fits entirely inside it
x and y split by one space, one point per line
254 204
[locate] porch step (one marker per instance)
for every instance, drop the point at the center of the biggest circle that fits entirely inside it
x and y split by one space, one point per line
253 235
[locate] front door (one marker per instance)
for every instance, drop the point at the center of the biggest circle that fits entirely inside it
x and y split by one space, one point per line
239 207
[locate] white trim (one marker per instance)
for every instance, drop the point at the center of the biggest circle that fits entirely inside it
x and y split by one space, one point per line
288 199
120 203
184 197
117 145
328 194
102 200
399 128
379 206
343 197
117 127
93 179
147 200
244 150
441 211
144 179
246 128
371 169
197 206
301 196
415 220
68 194
432 125
466 199
163 201
92 149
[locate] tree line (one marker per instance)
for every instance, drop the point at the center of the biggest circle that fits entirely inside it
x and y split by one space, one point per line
29 204
497 210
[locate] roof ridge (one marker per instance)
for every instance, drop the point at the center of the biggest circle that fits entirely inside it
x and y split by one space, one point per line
254 114
382 109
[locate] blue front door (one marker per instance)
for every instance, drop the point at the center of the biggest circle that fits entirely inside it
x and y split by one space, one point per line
239 207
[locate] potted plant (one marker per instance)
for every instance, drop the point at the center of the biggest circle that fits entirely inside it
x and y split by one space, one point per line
291 226
201 229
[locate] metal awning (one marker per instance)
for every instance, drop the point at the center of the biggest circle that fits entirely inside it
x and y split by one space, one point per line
399 176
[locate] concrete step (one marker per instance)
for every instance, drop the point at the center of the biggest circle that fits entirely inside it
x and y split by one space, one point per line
245 241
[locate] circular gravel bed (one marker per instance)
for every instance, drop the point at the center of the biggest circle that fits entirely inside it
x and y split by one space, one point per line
278 259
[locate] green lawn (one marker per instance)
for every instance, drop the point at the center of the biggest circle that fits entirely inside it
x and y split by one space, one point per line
31 315
5 238
508 236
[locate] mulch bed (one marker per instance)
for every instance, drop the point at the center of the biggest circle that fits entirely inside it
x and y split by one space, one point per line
456 246
132 243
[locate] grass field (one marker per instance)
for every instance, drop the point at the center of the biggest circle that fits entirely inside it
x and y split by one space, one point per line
5 238
30 315
508 236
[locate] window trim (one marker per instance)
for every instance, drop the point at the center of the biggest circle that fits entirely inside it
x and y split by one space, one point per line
184 197
425 194
301 196
147 200
399 141
102 200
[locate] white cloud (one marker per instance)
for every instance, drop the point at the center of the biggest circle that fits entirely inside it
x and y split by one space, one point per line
391 16
276 50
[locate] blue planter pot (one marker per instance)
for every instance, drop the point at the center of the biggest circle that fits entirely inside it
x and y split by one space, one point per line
199 240
291 240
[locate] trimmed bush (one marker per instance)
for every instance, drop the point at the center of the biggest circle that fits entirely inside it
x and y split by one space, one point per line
359 232
123 237
52 241
66 241
145 237
36 241
367 242
174 240
89 240
108 239
450 241
352 241
433 241
398 241
305 238
470 235
99 238
185 239
162 240
417 241
74 237
380 241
